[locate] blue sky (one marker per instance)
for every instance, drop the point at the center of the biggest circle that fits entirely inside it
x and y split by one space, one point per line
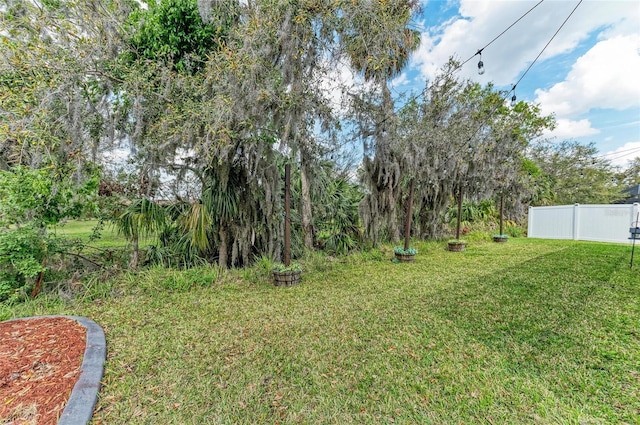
588 76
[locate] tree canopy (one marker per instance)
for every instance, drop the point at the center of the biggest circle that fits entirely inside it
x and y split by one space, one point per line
209 100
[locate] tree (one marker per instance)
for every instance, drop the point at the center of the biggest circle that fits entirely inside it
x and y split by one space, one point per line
378 43
577 173
139 219
515 179
448 145
217 94
262 89
174 31
630 175
31 201
460 140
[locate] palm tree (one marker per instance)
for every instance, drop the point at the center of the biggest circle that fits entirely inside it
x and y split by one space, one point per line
141 218
378 43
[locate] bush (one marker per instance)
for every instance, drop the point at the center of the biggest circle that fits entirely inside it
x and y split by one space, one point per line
22 259
514 231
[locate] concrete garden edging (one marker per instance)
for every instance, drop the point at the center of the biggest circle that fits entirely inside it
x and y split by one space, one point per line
83 398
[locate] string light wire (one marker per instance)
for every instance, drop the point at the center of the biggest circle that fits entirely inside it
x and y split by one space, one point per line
504 98
411 99
619 155
546 45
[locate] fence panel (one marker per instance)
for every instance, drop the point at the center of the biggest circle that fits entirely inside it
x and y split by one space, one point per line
604 223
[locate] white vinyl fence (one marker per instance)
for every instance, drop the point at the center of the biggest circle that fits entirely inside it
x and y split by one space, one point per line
603 223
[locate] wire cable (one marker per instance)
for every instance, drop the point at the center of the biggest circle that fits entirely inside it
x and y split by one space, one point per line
618 156
617 152
502 33
495 108
422 92
546 45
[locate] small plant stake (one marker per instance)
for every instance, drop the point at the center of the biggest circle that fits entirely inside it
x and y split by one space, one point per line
635 234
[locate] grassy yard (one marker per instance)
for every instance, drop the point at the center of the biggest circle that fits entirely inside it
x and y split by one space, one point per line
531 331
82 229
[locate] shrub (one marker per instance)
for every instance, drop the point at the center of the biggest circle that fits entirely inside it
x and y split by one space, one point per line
401 251
23 253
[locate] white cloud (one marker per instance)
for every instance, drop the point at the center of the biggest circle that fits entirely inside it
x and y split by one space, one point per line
568 129
400 80
335 83
605 77
592 63
624 154
507 58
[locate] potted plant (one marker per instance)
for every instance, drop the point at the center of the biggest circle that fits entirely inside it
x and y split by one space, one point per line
456 245
500 238
286 275
405 255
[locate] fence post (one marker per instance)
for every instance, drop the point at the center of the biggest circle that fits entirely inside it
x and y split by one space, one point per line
530 222
576 221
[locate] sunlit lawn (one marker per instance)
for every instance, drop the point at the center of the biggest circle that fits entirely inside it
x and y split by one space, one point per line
83 229
526 332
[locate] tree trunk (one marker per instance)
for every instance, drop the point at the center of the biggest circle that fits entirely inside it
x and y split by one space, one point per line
223 252
135 255
393 188
36 289
306 211
407 222
287 215
393 225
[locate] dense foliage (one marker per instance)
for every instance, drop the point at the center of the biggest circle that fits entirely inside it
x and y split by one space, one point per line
32 201
209 100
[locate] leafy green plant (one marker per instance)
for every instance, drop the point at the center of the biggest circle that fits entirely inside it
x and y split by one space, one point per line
173 31
24 254
401 251
474 213
515 231
32 201
140 218
338 220
43 196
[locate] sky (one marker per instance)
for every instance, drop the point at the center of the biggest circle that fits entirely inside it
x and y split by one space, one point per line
588 76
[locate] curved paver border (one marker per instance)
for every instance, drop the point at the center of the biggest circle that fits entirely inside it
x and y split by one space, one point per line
84 395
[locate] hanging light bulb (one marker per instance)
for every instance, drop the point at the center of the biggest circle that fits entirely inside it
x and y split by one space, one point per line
480 64
513 98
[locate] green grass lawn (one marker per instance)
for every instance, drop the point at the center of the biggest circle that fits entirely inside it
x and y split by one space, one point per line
82 229
528 332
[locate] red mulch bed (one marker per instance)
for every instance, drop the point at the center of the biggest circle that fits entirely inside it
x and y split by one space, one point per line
40 362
